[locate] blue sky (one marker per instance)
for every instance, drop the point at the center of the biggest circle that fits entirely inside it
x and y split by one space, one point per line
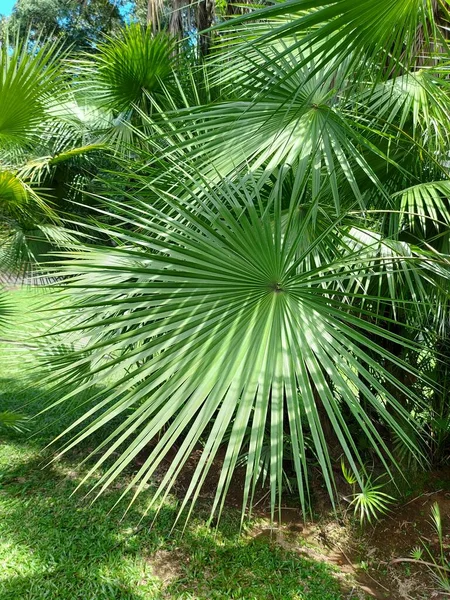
6 6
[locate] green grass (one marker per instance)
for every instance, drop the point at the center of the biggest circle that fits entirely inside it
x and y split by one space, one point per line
57 546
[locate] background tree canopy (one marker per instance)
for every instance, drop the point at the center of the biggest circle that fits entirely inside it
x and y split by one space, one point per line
78 23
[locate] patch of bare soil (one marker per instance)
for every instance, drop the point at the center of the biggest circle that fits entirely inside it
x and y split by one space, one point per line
396 535
235 494
364 558
167 565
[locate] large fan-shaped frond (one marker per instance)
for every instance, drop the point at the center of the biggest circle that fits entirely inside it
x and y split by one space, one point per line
394 33
223 320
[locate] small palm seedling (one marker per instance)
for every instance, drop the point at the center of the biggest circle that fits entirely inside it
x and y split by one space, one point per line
370 501
441 565
416 553
438 565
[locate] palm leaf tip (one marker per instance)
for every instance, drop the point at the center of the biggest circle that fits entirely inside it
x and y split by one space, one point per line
13 420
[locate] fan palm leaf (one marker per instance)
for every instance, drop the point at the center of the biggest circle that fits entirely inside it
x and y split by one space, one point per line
13 420
425 208
125 68
19 198
285 116
225 317
417 103
393 33
29 80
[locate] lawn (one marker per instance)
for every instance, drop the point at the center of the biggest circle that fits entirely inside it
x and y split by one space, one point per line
58 546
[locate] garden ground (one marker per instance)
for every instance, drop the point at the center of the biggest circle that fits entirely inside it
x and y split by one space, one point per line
54 545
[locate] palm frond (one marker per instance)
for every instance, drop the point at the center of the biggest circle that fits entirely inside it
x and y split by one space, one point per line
19 199
126 67
393 33
370 503
425 207
13 420
31 82
5 307
285 116
223 316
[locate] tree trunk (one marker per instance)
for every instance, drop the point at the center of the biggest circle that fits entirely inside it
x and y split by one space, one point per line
176 20
205 13
153 9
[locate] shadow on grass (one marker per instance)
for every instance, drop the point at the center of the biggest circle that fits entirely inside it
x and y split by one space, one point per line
29 397
78 587
59 547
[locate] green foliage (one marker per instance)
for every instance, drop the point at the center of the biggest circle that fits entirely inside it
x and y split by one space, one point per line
76 24
5 308
369 502
230 313
357 34
29 78
13 420
416 553
99 554
45 142
349 477
266 273
126 68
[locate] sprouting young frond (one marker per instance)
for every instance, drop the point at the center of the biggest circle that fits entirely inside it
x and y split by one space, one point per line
416 553
370 503
348 475
437 521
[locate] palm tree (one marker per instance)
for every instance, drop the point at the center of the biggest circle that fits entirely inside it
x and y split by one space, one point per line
46 137
272 266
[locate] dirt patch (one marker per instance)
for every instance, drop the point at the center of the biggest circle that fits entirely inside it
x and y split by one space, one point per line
363 557
235 495
397 535
167 565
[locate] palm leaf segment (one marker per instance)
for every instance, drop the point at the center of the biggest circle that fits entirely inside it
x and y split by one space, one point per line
390 32
285 115
220 325
41 127
28 80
